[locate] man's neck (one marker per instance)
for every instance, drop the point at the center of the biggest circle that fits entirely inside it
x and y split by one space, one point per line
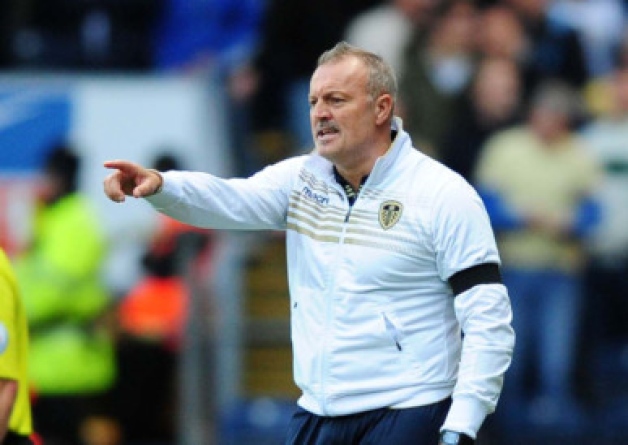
351 191
354 175
353 178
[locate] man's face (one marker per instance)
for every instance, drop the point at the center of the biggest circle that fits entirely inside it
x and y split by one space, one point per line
620 91
342 113
496 91
50 187
532 8
548 124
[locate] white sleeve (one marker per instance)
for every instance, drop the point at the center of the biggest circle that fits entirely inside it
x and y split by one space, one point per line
204 200
484 315
464 238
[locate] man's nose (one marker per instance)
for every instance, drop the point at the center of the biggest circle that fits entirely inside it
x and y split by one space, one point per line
320 110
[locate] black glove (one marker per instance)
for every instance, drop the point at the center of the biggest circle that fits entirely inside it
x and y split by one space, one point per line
454 438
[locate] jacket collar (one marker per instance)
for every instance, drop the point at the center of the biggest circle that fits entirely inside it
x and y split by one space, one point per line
400 144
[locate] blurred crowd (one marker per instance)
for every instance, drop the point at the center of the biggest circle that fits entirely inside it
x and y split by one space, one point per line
527 99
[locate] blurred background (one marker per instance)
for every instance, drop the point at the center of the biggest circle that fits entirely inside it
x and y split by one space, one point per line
164 334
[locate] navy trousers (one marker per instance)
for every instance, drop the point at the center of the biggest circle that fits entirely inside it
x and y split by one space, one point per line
408 426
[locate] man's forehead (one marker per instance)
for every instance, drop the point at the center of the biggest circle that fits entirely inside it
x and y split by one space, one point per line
343 74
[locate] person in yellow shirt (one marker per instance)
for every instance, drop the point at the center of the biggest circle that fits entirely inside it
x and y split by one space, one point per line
15 411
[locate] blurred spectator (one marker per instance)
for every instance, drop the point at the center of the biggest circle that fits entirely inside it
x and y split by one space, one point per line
5 33
600 25
85 35
553 50
500 33
400 19
537 182
204 35
622 50
607 138
599 91
294 34
151 319
494 103
71 358
15 410
438 68
14 13
216 40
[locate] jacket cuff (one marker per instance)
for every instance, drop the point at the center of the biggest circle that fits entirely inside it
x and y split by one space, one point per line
465 416
163 195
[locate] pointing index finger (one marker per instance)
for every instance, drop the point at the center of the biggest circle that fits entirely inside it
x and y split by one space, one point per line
124 166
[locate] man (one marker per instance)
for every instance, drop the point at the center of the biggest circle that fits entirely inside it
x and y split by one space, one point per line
65 302
606 278
390 254
15 413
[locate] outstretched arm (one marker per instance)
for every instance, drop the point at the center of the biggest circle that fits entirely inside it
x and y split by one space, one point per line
130 179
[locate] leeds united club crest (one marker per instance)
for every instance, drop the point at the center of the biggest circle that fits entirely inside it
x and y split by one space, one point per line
389 213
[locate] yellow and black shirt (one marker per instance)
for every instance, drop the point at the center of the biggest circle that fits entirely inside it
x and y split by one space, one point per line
14 347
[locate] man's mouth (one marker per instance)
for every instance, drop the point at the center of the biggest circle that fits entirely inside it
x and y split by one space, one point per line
326 131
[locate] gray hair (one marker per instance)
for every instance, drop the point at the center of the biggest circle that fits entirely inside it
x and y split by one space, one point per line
381 79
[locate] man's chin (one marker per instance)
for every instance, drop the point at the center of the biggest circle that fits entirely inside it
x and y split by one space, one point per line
325 150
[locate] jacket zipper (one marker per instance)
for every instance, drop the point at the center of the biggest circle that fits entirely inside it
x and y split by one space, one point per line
328 311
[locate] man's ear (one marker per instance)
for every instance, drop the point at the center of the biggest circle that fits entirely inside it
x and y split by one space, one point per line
383 108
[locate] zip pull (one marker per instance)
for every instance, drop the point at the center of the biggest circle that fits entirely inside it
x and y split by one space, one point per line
392 330
348 214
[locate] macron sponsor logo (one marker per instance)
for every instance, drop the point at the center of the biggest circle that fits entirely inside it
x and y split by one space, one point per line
309 194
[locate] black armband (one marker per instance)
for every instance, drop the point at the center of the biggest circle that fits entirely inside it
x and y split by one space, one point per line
487 273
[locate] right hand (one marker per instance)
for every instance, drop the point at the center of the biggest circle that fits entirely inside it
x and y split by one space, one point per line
548 225
130 179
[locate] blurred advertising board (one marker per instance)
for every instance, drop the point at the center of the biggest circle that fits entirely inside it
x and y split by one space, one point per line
105 117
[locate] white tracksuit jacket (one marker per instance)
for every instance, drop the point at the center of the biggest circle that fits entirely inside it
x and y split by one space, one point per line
374 321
